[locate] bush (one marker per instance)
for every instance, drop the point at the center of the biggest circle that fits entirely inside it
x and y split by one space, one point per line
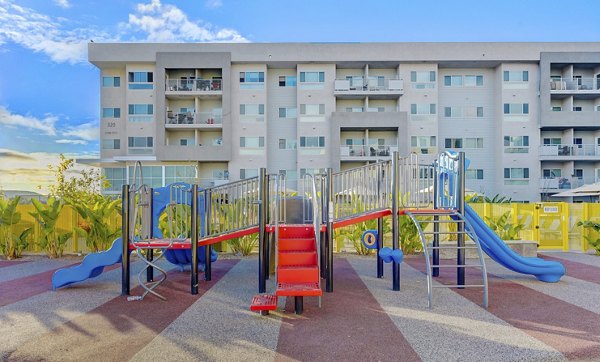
595 243
95 226
11 245
243 245
504 229
52 240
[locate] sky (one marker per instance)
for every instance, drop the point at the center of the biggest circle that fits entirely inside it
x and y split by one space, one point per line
49 93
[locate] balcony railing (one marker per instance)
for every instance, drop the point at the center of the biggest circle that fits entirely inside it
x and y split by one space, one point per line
367 151
206 182
575 84
192 118
560 183
369 85
194 85
570 150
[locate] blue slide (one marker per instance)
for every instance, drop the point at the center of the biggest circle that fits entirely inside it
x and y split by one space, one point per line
544 270
91 266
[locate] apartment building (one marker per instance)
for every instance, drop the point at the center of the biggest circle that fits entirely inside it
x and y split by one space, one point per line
526 114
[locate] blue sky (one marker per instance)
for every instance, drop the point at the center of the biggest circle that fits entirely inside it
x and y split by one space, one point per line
49 94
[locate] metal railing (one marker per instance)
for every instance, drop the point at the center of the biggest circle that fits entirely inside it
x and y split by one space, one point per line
362 190
232 207
575 84
415 183
561 183
371 84
194 85
567 150
193 118
447 185
368 151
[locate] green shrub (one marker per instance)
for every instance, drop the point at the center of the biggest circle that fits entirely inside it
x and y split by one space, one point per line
51 240
243 245
11 245
504 229
594 243
95 226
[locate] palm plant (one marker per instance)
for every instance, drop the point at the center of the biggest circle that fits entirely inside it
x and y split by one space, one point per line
52 240
96 228
503 228
11 245
595 243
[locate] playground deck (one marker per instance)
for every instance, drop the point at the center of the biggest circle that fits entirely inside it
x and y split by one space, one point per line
362 320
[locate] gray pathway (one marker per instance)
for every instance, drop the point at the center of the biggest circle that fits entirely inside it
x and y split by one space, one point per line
589 259
220 326
461 329
34 266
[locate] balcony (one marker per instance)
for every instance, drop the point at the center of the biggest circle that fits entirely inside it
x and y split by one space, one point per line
366 153
559 184
376 88
575 86
199 87
193 120
570 152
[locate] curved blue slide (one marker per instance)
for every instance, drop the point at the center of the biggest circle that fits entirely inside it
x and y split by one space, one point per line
544 270
92 265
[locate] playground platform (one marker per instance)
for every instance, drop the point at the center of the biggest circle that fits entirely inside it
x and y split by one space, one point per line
362 320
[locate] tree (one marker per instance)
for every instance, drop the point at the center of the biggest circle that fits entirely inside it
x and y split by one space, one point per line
83 189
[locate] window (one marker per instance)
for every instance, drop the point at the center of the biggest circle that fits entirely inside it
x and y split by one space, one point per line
312 112
551 173
186 142
181 173
252 80
474 174
286 144
474 142
516 76
453 143
578 173
422 144
115 177
516 108
311 171
516 144
552 141
355 109
252 142
140 80
422 79
453 80
312 77
111 112
108 82
452 112
312 142
422 108
248 173
153 175
287 81
577 109
556 108
252 112
518 173
473 80
140 146
288 112
140 113
111 144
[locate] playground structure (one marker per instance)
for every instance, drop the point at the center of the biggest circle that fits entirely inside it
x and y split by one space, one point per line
295 234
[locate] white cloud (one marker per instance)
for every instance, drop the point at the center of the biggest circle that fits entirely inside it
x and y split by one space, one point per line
71 142
85 132
44 34
167 23
213 4
63 3
45 125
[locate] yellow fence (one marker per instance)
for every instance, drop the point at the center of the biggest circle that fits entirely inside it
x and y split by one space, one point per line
553 225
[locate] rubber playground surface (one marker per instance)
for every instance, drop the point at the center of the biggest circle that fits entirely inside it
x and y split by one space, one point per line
362 320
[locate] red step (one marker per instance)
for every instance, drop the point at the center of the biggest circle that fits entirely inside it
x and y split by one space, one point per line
296 257
263 302
298 290
299 244
296 231
297 274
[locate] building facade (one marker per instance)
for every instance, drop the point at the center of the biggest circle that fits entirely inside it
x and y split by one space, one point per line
526 114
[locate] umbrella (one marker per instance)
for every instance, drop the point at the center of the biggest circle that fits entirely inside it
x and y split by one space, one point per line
585 190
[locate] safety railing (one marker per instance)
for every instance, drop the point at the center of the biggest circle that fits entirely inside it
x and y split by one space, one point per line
575 84
447 184
193 85
415 183
362 190
232 207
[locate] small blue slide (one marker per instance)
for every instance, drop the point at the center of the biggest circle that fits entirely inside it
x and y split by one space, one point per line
544 270
91 266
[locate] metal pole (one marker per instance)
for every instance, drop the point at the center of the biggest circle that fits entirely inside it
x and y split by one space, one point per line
125 241
379 246
267 237
150 252
329 247
207 248
194 205
262 185
323 233
395 231
436 228
460 179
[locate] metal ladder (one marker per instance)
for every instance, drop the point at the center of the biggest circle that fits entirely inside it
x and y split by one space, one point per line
429 238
